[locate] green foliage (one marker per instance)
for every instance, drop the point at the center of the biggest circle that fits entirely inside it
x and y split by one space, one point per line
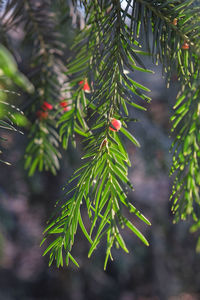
186 154
102 180
47 74
101 185
106 48
42 151
8 68
11 117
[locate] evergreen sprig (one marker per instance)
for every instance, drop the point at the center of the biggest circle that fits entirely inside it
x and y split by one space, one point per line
47 74
176 45
101 186
186 160
102 180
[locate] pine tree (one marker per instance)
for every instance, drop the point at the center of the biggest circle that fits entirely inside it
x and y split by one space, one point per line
91 98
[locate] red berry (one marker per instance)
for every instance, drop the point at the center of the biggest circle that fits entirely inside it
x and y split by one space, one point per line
85 85
185 46
175 21
42 115
116 124
47 106
64 105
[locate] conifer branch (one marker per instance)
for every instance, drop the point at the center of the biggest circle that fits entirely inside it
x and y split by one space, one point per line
186 159
42 151
103 179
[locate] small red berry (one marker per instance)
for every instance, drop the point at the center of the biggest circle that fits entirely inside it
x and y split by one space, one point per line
185 46
175 21
47 106
42 115
64 105
85 85
116 124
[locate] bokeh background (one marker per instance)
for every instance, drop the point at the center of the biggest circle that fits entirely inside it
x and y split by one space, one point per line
167 269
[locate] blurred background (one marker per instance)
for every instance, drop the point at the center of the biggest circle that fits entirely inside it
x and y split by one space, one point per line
167 269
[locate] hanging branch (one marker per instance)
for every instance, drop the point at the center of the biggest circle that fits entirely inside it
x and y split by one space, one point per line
47 74
102 180
186 159
176 45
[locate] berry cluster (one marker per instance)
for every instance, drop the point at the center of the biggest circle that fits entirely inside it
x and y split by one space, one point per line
43 113
185 45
